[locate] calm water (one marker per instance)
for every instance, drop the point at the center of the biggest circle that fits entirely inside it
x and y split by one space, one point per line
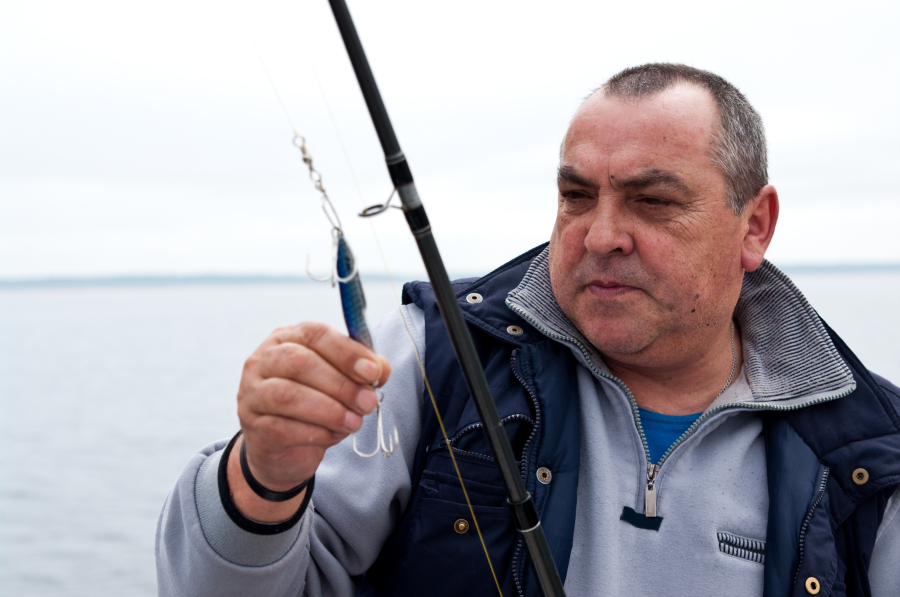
106 392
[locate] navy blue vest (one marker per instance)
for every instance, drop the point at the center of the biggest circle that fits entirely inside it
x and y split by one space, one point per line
821 523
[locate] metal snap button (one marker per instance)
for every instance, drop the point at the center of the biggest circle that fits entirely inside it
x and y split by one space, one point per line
515 330
474 298
860 476
461 526
544 475
812 585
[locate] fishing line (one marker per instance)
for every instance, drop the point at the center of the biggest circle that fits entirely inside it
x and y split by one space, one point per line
412 340
396 298
274 88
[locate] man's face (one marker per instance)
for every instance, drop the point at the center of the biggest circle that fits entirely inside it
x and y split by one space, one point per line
645 255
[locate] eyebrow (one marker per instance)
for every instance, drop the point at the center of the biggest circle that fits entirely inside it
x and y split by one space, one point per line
569 174
648 178
656 178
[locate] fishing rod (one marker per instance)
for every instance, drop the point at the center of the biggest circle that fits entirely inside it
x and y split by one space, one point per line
524 513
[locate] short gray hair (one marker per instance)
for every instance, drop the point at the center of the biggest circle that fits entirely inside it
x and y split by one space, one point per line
739 146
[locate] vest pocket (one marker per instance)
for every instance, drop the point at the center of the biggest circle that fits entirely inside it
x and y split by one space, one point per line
435 550
452 560
444 487
441 551
742 547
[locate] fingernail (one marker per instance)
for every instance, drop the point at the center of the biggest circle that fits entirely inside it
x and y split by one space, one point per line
366 369
366 401
352 421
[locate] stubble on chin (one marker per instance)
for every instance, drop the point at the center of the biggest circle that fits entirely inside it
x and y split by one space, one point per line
621 336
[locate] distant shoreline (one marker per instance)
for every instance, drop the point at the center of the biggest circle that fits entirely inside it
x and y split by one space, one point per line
241 280
186 280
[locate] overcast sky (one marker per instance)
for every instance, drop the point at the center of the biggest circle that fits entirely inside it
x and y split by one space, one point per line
144 137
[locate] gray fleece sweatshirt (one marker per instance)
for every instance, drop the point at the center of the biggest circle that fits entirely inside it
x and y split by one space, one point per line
715 480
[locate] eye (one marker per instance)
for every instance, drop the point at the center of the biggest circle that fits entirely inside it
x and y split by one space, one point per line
574 201
575 196
654 201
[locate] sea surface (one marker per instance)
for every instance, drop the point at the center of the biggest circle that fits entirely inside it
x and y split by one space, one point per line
106 392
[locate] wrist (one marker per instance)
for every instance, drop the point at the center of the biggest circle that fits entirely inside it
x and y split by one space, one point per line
237 496
266 493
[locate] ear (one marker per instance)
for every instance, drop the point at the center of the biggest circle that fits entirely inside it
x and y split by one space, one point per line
760 215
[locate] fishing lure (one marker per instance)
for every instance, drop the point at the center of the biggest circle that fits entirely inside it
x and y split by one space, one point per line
345 273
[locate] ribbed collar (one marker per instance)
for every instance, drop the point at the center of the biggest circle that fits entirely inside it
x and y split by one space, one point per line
789 359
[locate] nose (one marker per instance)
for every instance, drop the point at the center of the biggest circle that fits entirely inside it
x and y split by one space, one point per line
609 232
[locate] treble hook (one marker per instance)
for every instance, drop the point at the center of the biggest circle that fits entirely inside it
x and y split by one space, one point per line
335 276
386 448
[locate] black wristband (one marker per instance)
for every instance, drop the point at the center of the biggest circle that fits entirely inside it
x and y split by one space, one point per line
248 524
263 491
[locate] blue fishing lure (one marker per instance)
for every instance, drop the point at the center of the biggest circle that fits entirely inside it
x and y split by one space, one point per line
353 300
353 303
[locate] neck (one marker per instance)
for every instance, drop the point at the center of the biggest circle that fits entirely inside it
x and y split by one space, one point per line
687 386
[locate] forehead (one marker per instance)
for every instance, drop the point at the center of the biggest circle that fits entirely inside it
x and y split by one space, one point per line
672 128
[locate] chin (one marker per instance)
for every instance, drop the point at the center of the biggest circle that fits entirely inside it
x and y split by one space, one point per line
613 341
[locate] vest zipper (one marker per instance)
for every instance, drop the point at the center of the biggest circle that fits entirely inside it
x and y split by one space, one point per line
802 541
518 562
442 445
537 412
652 485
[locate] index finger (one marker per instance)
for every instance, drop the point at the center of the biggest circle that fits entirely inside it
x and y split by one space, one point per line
348 356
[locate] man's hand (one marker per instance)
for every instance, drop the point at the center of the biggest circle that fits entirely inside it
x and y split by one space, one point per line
302 391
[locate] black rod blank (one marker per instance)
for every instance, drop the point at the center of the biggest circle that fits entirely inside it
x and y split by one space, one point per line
520 500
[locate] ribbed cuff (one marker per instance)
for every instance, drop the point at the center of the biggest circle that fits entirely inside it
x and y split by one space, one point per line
248 524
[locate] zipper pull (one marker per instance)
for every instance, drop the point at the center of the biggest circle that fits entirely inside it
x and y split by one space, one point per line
650 492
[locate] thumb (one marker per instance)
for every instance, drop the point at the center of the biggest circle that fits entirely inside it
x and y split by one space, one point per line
385 370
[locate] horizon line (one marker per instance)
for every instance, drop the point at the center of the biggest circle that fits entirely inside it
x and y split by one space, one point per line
214 279
177 280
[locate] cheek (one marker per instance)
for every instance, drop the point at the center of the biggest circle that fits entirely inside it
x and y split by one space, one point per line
665 261
566 249
567 240
707 279
685 275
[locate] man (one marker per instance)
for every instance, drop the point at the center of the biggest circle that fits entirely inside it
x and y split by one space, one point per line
686 423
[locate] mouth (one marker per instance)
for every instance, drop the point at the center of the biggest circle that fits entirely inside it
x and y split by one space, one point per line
608 290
